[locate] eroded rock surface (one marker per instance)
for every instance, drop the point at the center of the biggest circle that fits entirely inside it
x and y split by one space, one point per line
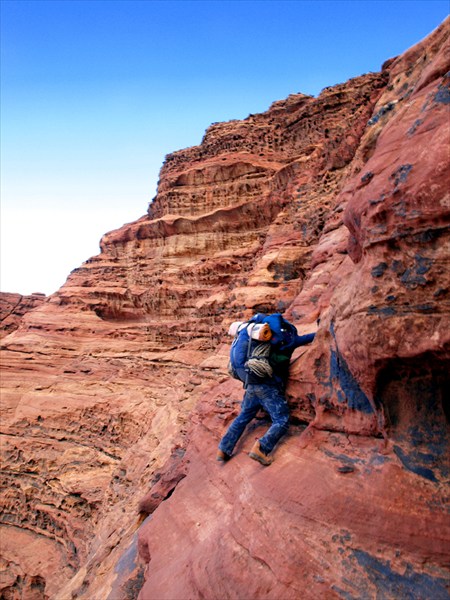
115 390
13 307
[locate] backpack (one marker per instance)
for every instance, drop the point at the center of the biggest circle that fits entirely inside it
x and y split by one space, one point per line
284 334
248 355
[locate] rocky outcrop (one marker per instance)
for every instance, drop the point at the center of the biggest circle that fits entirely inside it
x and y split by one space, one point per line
116 391
13 307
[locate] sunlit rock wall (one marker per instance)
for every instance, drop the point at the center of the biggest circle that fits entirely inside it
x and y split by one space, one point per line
115 392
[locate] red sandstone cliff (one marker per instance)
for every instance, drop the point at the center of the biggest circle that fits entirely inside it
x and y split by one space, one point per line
13 307
115 390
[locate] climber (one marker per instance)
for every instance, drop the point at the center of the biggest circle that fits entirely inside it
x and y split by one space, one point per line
267 391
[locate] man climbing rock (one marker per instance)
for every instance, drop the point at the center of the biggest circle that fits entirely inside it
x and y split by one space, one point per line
266 366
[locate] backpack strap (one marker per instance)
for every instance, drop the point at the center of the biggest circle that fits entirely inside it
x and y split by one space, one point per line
250 327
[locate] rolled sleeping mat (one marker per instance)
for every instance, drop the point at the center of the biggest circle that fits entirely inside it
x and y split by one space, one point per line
263 331
234 327
259 331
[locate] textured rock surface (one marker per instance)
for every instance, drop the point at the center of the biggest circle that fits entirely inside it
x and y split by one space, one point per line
115 391
13 307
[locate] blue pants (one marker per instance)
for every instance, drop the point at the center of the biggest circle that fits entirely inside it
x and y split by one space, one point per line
272 400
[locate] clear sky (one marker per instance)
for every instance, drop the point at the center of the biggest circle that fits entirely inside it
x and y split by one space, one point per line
95 93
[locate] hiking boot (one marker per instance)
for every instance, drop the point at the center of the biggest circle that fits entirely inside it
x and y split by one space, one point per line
257 454
222 456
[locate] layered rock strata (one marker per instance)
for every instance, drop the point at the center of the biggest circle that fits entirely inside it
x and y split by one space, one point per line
13 307
115 390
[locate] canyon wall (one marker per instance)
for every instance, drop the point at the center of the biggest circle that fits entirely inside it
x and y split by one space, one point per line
115 391
13 307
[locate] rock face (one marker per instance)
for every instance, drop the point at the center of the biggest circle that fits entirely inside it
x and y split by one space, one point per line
13 307
115 391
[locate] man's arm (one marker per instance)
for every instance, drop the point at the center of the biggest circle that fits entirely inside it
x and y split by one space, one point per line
302 340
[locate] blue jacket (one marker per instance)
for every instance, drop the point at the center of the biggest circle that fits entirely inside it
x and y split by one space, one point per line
284 341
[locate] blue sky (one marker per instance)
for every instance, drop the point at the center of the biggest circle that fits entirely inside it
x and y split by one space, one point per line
94 94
